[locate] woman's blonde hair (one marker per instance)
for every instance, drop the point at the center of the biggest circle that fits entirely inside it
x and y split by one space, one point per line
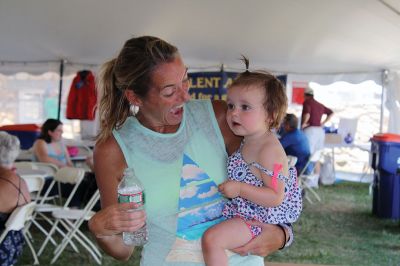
130 70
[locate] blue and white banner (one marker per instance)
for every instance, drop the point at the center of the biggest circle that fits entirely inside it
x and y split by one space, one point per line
213 85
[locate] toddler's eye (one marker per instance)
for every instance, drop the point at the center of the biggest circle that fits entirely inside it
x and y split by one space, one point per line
245 107
230 106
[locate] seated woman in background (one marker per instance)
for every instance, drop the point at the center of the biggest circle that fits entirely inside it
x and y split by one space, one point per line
49 148
13 193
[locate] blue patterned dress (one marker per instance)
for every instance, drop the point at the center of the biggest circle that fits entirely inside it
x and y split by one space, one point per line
285 213
12 245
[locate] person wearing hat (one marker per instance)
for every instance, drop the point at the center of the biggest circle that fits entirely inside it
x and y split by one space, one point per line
312 123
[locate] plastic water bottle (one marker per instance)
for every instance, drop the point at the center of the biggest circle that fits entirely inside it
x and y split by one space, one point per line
130 189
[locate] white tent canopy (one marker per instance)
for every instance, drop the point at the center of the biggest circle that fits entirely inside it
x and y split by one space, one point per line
325 40
303 36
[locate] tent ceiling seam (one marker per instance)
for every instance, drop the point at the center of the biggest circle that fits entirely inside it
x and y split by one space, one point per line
390 7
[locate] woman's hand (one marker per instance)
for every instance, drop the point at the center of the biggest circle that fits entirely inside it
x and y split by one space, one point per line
117 218
230 189
270 240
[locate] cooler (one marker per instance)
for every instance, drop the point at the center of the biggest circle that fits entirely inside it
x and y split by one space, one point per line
385 160
26 133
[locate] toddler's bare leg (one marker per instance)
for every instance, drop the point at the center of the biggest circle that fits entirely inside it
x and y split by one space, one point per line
228 234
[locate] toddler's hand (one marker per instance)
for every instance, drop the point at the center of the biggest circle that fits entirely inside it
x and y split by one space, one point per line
230 189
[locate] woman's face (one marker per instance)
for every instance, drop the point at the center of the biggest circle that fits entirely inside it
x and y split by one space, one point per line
56 135
163 105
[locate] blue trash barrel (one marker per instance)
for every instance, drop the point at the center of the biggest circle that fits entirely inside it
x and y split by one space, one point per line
385 151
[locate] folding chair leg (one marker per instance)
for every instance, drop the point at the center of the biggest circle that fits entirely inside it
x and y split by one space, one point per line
67 237
80 237
35 258
309 199
50 234
90 243
44 232
75 233
314 193
50 237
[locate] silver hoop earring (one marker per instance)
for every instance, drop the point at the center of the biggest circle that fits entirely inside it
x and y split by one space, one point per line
134 109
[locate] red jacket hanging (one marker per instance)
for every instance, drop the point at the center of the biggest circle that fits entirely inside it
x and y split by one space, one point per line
82 98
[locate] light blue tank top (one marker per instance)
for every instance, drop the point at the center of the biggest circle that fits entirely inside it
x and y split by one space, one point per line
180 173
52 153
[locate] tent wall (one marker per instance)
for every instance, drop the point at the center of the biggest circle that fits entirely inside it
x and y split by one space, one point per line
392 103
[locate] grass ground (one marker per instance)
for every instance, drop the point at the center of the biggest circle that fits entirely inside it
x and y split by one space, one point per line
340 230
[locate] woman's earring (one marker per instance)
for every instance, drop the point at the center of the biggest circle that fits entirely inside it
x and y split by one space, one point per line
134 109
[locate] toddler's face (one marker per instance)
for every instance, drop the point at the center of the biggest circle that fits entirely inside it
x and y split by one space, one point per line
246 115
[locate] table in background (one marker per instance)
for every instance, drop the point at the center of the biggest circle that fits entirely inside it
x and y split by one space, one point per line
333 141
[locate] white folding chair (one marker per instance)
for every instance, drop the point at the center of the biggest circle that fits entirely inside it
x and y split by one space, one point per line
25 155
292 160
66 175
35 186
305 177
18 221
83 152
71 220
49 168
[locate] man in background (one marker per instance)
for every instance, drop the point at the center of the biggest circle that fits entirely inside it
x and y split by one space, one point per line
312 123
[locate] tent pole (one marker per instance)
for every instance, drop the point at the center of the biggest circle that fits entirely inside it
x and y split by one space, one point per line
221 85
384 80
60 88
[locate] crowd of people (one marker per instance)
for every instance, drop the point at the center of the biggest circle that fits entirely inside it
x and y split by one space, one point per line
48 148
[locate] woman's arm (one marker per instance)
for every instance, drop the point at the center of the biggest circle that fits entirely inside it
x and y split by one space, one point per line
67 157
270 240
113 218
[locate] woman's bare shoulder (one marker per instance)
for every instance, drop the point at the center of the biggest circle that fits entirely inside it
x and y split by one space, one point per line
39 143
109 164
108 156
110 145
8 175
